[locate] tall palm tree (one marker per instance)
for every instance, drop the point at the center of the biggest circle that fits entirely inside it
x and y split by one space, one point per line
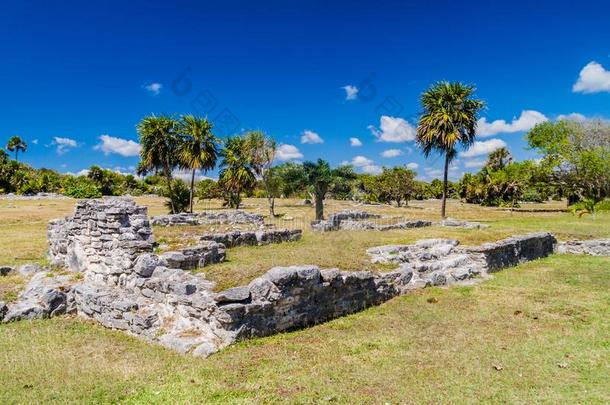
197 149
499 158
16 144
236 174
159 141
262 149
449 120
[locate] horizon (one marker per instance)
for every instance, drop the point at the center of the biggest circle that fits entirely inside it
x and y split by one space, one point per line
339 81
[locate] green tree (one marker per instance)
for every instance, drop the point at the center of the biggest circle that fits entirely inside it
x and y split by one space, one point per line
498 159
262 149
16 144
159 142
396 184
576 156
236 174
449 120
319 178
197 147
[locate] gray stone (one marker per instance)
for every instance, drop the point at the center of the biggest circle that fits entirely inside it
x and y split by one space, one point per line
3 310
146 264
236 294
28 270
44 296
593 247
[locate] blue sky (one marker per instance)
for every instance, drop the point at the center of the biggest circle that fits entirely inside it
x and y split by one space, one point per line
77 76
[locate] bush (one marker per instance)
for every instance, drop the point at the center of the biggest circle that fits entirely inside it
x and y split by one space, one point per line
180 196
80 187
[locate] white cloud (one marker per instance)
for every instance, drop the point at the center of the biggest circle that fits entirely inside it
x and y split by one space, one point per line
593 78
311 137
355 142
412 165
578 117
185 175
360 161
351 92
390 153
372 169
393 129
153 88
526 121
34 141
63 144
124 147
365 164
288 152
474 163
483 148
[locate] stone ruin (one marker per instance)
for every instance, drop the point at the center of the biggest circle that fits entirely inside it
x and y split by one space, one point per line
596 247
254 238
353 220
119 282
229 217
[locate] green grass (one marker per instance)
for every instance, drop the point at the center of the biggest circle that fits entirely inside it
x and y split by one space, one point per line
545 324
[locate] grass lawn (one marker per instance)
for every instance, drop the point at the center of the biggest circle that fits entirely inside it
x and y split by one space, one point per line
539 332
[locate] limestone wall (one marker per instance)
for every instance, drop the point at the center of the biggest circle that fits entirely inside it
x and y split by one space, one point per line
231 217
103 237
253 238
593 247
516 250
128 287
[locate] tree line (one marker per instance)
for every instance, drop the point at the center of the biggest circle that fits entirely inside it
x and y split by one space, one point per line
574 164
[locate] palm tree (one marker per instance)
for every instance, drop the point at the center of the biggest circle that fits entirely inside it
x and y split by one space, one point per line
319 177
449 120
16 144
197 149
499 158
236 174
159 141
262 149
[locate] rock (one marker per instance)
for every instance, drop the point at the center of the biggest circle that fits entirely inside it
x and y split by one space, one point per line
594 247
236 294
451 222
3 310
44 296
28 270
146 264
6 270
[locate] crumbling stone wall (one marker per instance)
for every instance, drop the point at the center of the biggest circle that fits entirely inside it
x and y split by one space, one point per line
254 238
231 217
593 247
103 237
127 287
351 220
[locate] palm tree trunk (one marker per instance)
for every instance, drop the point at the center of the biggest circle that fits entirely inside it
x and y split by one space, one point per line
192 188
271 201
17 155
445 175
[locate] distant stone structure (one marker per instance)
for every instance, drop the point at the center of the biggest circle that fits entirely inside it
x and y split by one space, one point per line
119 282
254 238
353 220
594 247
230 217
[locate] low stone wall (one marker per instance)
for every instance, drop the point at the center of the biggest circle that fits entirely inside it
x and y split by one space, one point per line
231 217
150 297
204 254
593 247
516 250
253 238
357 221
